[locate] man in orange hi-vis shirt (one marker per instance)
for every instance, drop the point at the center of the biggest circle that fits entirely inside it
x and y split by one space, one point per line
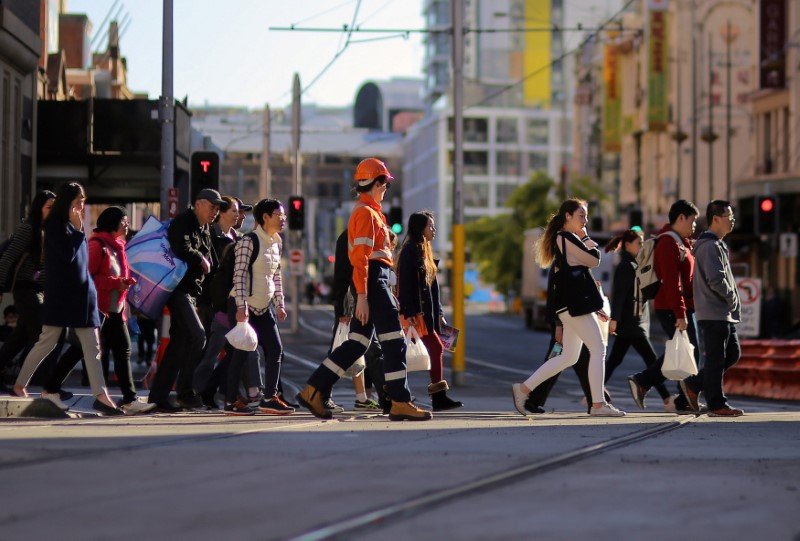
376 308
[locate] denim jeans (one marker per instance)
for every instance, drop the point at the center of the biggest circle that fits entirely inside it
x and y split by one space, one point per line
269 338
186 341
721 350
652 375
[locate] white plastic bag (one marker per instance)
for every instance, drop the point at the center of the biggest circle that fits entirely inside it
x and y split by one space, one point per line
243 337
417 358
679 358
342 330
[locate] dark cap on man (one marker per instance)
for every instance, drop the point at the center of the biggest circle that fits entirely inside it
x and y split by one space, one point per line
212 195
242 206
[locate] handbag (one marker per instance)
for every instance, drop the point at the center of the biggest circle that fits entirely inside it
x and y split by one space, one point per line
417 358
579 290
679 358
355 370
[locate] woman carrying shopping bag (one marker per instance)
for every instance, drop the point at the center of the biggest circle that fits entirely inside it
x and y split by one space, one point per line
420 303
257 298
108 266
579 306
630 320
70 298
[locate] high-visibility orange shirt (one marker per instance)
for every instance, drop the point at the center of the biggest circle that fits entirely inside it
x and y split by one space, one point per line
367 239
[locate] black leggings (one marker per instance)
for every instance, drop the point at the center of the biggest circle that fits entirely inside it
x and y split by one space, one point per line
114 338
633 335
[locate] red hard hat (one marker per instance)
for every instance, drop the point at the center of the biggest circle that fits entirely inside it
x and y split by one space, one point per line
370 169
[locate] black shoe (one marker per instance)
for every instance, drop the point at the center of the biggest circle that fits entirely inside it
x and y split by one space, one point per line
65 395
105 409
441 402
274 406
208 401
190 402
166 406
239 407
534 408
386 405
637 391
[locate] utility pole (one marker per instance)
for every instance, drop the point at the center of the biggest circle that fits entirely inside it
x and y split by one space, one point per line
265 188
711 135
694 101
166 112
458 237
296 237
728 65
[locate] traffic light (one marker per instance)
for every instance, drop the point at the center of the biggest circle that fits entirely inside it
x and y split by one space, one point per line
297 213
205 171
396 219
767 213
635 218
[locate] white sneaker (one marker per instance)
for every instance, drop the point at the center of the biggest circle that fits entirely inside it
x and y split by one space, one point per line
136 407
519 398
669 405
55 398
607 410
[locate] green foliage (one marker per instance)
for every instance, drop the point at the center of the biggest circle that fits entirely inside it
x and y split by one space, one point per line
495 243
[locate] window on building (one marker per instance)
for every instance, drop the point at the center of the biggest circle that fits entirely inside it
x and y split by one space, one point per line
476 162
538 130
476 194
508 163
502 193
537 161
506 130
476 130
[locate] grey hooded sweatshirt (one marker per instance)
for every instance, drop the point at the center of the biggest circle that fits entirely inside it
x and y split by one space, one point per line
716 297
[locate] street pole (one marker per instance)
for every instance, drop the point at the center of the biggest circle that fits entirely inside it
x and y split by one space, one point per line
710 117
679 131
265 187
728 40
166 112
458 238
296 237
694 101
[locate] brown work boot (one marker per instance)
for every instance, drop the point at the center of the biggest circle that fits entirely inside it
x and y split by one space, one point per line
691 397
725 411
313 400
406 411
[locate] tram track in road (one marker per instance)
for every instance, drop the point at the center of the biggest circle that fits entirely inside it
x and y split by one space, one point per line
410 508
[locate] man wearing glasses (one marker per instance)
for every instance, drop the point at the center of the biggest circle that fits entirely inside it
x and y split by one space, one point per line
717 306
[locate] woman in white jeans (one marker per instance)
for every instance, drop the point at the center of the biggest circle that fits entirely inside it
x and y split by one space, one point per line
578 304
70 299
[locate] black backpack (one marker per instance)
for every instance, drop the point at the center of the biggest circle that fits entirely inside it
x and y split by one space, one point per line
222 281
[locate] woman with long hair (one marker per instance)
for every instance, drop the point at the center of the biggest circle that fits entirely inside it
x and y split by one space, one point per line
21 270
630 320
419 300
109 268
579 304
70 298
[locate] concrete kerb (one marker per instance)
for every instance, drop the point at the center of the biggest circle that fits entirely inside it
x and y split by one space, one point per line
30 407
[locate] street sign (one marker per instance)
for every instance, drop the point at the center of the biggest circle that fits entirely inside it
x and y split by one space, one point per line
750 294
788 242
172 202
296 262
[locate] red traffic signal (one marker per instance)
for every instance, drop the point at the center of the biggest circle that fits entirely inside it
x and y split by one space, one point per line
766 215
204 171
297 213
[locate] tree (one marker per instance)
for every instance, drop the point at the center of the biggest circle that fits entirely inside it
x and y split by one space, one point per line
495 242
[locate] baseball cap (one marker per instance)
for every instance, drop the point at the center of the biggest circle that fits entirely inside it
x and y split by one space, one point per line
212 195
242 206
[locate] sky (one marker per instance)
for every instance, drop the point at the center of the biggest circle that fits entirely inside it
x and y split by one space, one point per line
225 54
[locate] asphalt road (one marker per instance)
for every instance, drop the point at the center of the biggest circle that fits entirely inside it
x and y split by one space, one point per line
483 472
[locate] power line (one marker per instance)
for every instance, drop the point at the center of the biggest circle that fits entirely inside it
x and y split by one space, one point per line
321 13
510 30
